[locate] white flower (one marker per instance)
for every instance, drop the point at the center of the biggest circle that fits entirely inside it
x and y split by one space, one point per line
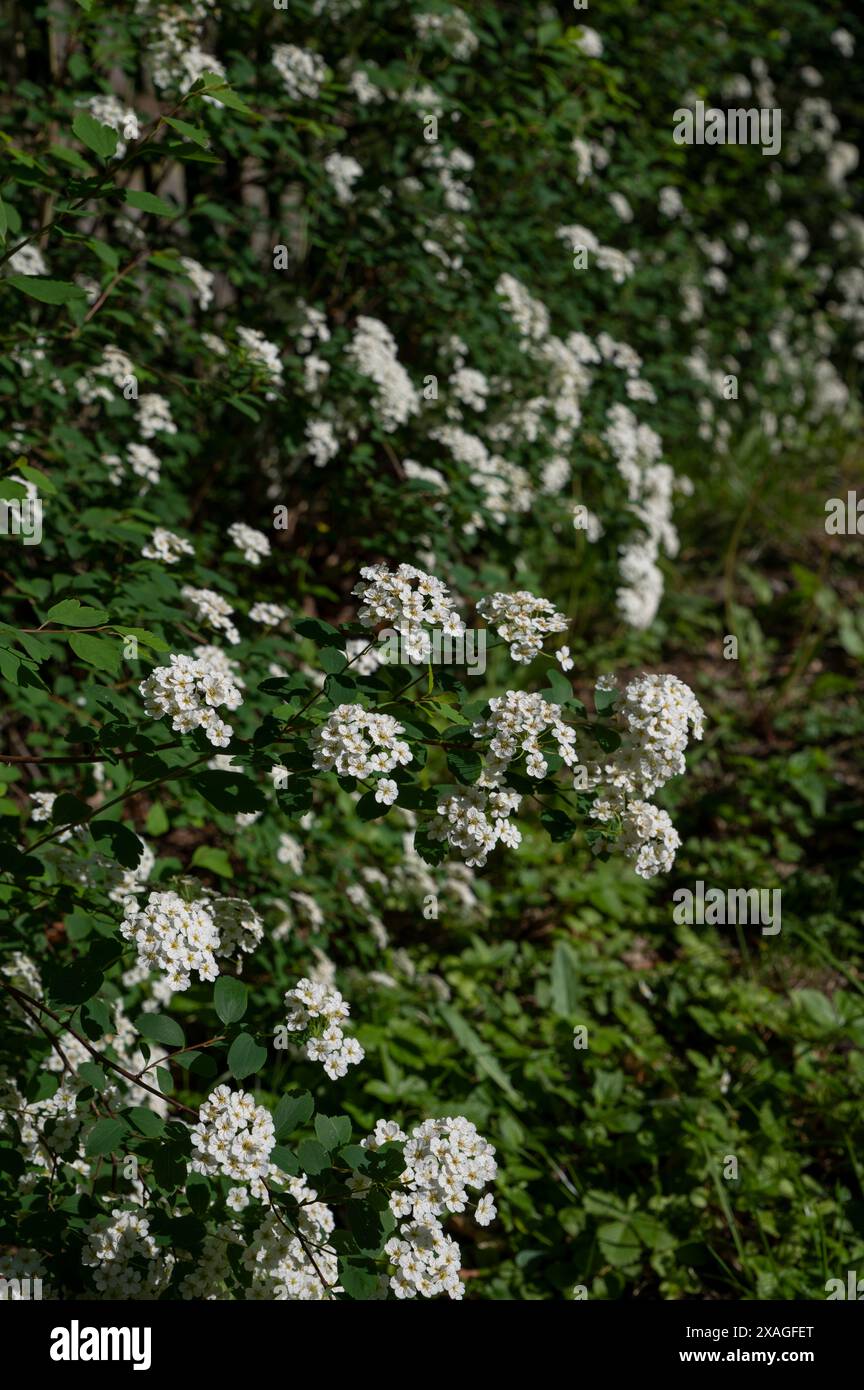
234 1136
451 27
189 691
323 444
320 1011
154 416
359 743
201 279
212 608
386 791
486 1211
263 354
302 71
343 172
269 614
410 601
165 546
523 620
28 260
373 352
254 544
184 938
589 42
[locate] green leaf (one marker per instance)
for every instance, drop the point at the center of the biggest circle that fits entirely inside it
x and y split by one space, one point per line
604 700
211 82
71 612
46 291
479 1050
198 1193
618 1243
318 631
229 791
560 826
566 994
230 998
367 808
96 651
99 138
4 223
466 764
68 810
333 660
312 1156
125 844
245 1056
355 1156
146 1121
105 1137
559 688
160 1028
291 1113
357 1283
327 1133
35 475
93 1075
213 859
157 820
189 132
148 202
284 1159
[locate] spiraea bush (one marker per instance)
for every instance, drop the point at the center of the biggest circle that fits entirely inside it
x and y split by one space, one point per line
414 465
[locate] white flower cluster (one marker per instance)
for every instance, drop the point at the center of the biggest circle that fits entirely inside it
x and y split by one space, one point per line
474 820
202 280
263 354
142 461
269 614
279 1260
115 1250
618 263
589 42
504 486
154 416
213 609
523 620
530 315
302 71
312 1005
407 598
343 172
189 691
234 1136
373 352
650 487
657 713
443 1158
254 544
359 743
28 260
322 440
451 27
165 546
173 936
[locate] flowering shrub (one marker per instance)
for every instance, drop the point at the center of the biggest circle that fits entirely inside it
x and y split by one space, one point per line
305 349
